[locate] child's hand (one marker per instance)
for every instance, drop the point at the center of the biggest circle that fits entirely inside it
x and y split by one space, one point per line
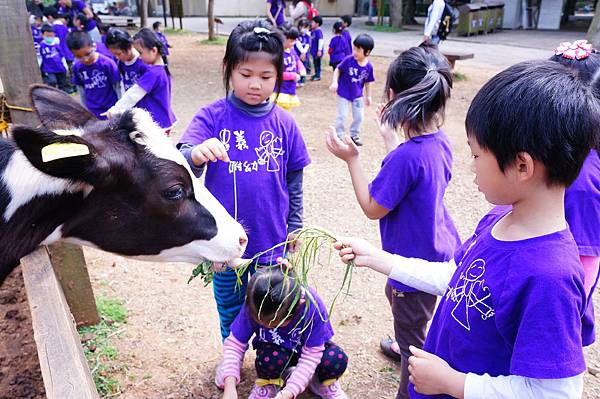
302 57
333 87
219 267
230 389
345 150
210 150
298 77
432 375
293 243
230 394
368 101
385 130
363 253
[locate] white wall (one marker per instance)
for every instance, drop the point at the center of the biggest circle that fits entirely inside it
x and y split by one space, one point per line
252 8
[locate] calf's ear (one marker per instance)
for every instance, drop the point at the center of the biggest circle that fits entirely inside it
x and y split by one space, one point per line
69 157
57 109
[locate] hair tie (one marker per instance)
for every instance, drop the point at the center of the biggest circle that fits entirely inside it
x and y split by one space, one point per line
578 50
262 33
431 70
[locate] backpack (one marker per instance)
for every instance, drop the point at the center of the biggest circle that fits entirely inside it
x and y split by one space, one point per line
312 12
448 21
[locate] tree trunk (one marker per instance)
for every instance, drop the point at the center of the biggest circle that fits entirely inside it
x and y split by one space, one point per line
593 34
143 13
396 13
211 20
408 17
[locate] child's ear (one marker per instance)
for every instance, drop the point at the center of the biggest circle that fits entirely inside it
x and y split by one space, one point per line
525 165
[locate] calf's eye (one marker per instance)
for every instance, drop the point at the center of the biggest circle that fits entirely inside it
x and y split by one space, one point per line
174 193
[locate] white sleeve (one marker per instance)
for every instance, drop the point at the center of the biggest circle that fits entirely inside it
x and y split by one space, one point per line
433 18
298 11
430 277
131 97
321 44
514 386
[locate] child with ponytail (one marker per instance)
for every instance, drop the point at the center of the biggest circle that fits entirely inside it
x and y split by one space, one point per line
407 196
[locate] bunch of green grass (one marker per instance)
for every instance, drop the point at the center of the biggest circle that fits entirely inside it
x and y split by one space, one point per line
204 269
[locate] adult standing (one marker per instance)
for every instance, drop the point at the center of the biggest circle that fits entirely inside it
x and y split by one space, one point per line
299 9
35 7
432 23
276 12
74 7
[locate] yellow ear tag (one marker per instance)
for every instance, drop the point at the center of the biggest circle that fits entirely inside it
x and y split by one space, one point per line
56 151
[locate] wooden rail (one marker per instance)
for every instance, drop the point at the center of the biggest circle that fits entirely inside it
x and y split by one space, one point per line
64 367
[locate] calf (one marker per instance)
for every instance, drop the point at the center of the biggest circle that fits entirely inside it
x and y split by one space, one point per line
117 185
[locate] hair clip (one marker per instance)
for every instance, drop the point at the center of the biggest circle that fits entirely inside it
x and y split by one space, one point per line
262 33
578 50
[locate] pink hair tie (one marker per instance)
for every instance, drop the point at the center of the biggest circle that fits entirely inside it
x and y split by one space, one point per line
578 50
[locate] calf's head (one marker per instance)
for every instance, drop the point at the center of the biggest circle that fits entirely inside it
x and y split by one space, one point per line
140 197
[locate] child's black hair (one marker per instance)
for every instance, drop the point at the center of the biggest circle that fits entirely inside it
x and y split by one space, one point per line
290 31
118 38
338 27
420 79
588 68
51 11
83 20
273 295
347 19
542 108
365 42
253 37
77 40
148 40
303 23
47 28
156 24
318 20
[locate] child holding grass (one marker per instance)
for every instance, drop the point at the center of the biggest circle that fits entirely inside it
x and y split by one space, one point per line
407 196
292 335
509 321
253 153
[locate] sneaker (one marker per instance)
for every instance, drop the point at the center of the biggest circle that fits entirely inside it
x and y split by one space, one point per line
357 141
266 392
315 78
332 391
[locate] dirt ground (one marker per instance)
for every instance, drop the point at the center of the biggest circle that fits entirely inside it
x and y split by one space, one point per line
171 343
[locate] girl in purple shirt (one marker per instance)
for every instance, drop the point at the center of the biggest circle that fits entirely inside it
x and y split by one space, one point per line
509 322
253 153
292 331
407 196
293 70
338 46
152 90
131 66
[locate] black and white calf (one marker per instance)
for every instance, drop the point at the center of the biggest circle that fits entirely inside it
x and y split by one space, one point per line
120 186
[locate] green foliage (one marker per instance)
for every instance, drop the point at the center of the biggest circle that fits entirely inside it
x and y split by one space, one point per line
384 28
98 348
205 270
219 41
184 32
460 77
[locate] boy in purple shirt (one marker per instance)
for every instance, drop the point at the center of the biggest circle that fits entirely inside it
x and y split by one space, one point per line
316 46
54 66
96 75
303 47
354 73
36 33
509 321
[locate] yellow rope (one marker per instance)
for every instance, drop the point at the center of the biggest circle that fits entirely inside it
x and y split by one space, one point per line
3 105
16 107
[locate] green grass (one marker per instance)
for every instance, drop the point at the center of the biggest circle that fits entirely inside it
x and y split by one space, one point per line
171 31
219 41
384 28
460 77
99 349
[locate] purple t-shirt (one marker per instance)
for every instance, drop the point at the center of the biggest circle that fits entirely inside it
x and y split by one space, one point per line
290 64
512 307
62 32
304 39
77 7
338 49
348 38
163 40
353 78
315 36
411 185
131 73
102 49
262 150
278 11
98 81
310 327
52 57
36 33
157 84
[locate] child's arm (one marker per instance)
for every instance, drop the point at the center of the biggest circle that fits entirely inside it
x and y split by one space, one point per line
368 98
389 135
131 97
294 180
432 375
430 277
348 152
305 369
334 82
229 368
320 47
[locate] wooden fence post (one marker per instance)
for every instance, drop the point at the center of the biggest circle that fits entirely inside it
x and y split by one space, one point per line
18 70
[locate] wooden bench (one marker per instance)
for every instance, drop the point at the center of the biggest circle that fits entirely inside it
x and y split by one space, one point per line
451 56
117 20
